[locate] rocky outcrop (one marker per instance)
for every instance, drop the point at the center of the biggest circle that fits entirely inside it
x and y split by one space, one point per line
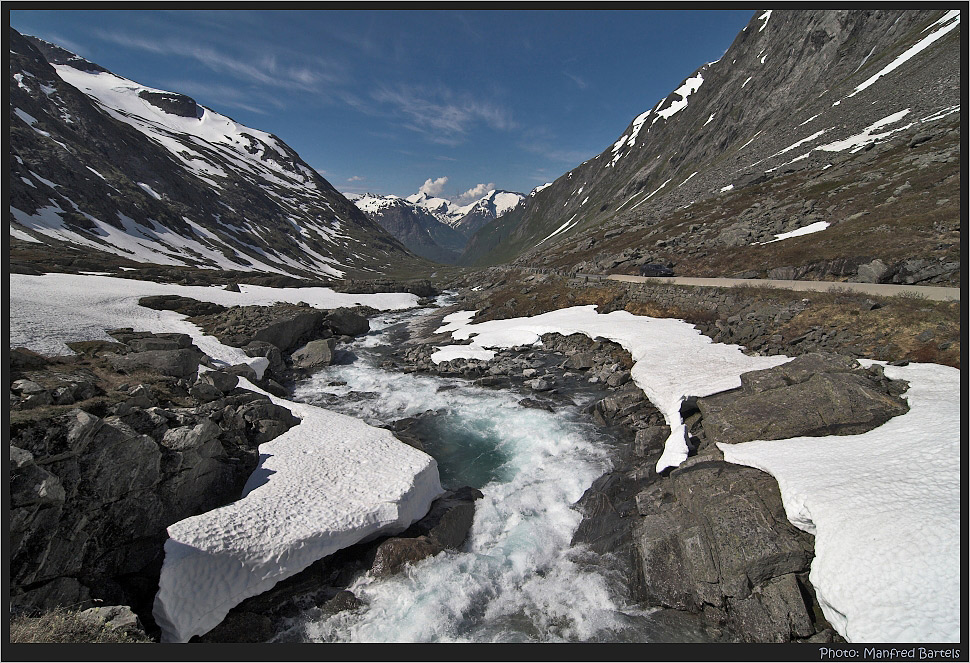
712 538
102 461
813 395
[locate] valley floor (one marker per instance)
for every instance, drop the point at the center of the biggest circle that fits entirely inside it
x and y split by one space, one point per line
898 484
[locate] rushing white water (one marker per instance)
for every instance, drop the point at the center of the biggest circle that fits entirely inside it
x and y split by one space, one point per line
517 578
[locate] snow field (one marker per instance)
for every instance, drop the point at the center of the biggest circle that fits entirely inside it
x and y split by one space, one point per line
884 507
46 311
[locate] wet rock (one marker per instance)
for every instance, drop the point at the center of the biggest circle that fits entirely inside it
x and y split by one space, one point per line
240 626
393 554
812 395
315 354
346 321
343 600
535 404
541 384
449 519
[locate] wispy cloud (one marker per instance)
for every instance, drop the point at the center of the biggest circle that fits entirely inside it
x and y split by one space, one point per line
541 141
580 82
356 178
274 69
440 114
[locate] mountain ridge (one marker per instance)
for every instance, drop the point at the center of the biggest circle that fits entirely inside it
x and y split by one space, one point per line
154 178
797 92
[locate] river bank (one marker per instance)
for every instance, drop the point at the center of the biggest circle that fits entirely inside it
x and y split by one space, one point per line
600 386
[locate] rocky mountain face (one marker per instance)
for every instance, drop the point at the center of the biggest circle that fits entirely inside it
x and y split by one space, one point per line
493 205
434 228
415 226
103 166
822 145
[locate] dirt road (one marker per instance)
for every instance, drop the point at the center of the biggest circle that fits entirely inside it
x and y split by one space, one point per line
878 289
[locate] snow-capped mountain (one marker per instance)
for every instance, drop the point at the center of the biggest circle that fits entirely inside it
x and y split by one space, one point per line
444 210
100 162
434 228
823 144
419 229
491 206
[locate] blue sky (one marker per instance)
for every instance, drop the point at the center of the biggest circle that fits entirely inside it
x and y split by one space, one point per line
384 101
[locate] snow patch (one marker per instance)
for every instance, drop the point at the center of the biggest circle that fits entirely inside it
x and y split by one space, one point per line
325 484
950 21
672 359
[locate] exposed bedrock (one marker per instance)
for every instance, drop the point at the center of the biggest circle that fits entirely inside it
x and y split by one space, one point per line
711 537
105 455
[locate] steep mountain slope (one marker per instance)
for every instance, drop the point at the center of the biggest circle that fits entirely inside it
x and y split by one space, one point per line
107 171
444 210
835 131
434 228
494 204
415 226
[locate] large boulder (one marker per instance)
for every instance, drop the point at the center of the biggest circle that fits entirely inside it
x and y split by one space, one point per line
176 363
315 354
713 538
813 395
347 322
290 331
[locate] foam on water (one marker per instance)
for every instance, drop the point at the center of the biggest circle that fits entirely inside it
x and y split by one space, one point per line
518 578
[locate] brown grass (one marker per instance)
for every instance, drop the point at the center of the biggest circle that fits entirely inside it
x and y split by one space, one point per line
888 333
63 625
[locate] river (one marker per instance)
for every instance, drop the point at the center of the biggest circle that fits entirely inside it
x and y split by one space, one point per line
517 578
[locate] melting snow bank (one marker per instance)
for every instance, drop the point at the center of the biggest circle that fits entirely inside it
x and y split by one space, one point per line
884 507
46 311
325 484
673 360
328 483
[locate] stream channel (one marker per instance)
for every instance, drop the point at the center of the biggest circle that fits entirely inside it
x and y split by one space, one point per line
517 578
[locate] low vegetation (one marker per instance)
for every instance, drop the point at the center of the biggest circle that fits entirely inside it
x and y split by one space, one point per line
66 625
882 328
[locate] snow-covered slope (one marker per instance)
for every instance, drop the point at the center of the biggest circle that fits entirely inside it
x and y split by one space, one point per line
418 228
494 204
810 116
434 228
149 176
